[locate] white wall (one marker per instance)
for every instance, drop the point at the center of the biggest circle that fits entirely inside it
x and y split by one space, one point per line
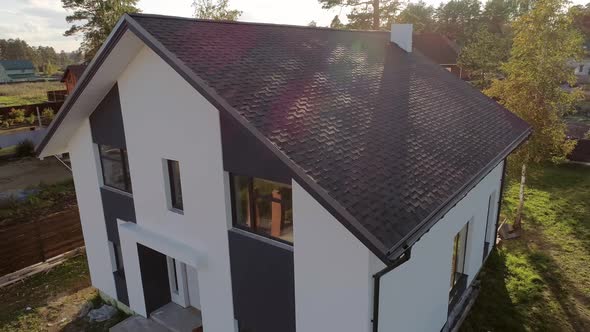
414 296
333 283
164 117
86 179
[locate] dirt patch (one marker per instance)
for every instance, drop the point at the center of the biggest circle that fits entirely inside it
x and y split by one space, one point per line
30 172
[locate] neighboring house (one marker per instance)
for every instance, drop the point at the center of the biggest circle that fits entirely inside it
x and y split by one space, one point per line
72 75
281 177
579 132
16 71
581 70
441 50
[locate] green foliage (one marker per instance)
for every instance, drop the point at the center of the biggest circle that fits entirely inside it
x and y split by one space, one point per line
419 14
41 56
16 115
25 148
458 19
544 41
31 119
95 19
48 114
26 93
336 24
49 199
483 56
215 10
376 14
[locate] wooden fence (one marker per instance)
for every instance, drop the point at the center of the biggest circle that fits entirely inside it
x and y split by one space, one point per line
28 243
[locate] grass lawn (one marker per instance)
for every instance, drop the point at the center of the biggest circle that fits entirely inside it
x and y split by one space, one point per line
53 300
8 151
541 281
26 93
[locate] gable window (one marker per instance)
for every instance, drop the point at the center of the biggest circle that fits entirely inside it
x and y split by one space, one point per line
174 185
263 207
115 168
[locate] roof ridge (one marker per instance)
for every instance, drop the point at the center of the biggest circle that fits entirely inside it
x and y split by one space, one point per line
291 26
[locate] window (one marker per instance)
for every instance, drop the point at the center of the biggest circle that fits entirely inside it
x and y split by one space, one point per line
459 254
116 257
263 207
490 229
581 69
115 168
175 187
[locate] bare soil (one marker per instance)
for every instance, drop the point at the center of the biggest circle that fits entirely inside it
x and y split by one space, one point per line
30 172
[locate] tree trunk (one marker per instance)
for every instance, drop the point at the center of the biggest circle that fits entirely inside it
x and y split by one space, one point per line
376 15
517 222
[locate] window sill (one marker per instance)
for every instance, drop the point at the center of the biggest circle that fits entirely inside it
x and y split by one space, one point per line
177 211
266 239
118 191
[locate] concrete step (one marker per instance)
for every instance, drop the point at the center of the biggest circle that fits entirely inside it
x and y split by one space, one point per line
138 323
177 318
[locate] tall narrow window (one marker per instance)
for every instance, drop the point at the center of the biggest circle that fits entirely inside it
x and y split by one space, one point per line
115 168
175 187
490 235
459 254
263 207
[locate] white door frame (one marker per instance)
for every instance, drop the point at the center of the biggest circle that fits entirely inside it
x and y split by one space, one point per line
178 282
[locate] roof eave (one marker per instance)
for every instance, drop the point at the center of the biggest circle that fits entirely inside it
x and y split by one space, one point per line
424 226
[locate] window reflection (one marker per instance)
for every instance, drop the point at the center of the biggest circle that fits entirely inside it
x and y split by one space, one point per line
264 207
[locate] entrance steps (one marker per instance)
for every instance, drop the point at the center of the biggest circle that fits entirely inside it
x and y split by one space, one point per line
169 318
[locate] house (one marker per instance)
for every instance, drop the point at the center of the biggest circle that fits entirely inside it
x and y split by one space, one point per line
581 70
274 178
441 50
16 71
72 75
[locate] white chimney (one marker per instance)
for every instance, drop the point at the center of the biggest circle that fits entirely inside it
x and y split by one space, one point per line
401 35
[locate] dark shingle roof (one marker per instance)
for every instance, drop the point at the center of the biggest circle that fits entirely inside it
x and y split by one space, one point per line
388 135
16 64
436 47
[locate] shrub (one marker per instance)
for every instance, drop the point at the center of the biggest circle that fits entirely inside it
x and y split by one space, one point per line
17 115
31 119
25 148
48 114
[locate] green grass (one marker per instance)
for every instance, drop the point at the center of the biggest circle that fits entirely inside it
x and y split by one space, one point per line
541 281
26 93
50 198
8 151
36 291
54 300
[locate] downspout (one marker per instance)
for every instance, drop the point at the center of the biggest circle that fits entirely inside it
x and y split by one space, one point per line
404 257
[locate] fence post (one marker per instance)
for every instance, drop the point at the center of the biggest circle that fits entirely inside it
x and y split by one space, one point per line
39 117
39 240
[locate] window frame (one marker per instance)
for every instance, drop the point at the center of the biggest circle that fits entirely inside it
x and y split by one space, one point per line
125 163
172 199
251 207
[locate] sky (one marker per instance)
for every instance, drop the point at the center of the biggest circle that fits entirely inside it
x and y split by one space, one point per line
42 22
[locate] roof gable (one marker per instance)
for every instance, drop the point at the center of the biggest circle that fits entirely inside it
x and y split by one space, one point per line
385 140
